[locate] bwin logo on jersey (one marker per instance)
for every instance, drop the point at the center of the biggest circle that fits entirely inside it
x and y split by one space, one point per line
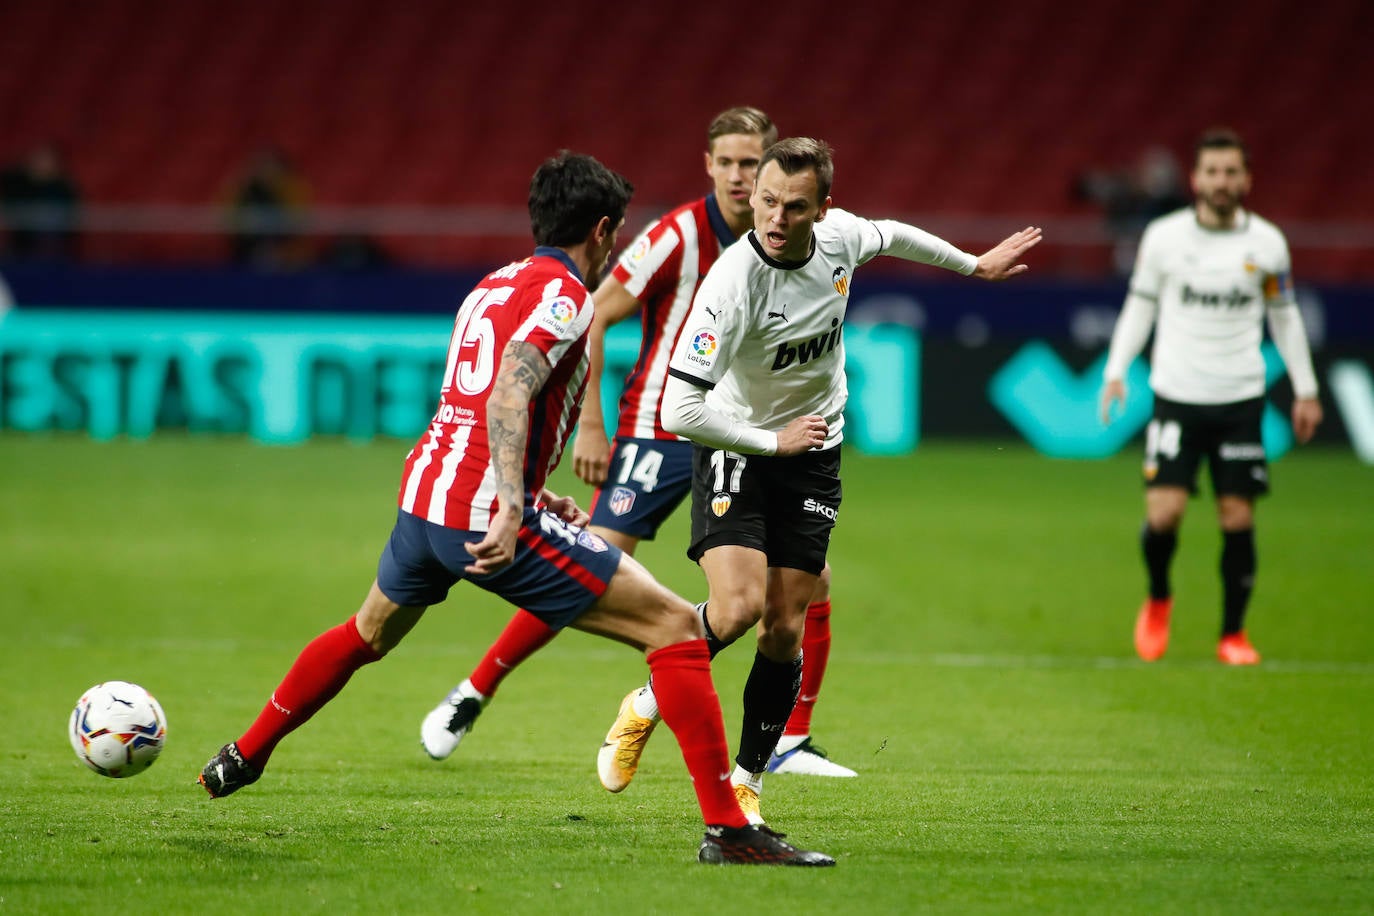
1233 298
803 351
840 279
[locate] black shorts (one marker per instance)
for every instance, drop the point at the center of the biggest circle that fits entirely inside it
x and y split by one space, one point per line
784 507
1227 435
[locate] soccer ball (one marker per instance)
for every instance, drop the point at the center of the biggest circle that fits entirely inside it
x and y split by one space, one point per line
117 729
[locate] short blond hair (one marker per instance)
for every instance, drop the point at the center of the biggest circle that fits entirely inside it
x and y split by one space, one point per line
742 120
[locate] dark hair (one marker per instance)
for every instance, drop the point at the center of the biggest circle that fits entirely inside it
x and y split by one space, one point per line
796 154
1221 138
569 194
742 120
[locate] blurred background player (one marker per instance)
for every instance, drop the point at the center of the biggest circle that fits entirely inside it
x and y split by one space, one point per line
1205 280
473 505
647 474
757 382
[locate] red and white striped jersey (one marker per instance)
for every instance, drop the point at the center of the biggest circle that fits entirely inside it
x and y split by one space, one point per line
449 478
662 268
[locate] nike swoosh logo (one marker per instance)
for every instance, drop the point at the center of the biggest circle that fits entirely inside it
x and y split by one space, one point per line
807 698
501 663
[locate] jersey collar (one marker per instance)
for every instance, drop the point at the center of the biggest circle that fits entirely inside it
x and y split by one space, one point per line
719 226
548 251
782 265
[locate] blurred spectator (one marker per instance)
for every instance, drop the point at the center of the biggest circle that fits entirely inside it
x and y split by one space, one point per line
265 211
354 252
40 204
1130 198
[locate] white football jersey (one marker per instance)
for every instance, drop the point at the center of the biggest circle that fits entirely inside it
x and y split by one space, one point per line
1211 288
767 338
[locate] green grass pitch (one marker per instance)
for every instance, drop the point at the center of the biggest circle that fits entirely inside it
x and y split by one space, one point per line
1014 755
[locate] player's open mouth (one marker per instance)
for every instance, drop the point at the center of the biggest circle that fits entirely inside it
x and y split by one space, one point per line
777 239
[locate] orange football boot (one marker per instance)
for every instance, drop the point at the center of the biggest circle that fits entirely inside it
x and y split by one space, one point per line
1235 649
1152 628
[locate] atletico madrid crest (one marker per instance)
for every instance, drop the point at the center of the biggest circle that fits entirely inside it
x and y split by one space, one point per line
622 500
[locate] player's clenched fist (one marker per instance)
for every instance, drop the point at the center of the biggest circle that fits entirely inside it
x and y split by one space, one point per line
802 435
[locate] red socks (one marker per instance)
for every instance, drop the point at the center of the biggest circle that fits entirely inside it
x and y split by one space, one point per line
320 672
815 654
522 637
688 702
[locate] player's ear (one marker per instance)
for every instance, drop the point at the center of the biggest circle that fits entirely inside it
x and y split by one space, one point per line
601 231
707 159
824 209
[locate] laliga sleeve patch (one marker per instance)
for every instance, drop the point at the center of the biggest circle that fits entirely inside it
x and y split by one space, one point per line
640 251
702 350
556 315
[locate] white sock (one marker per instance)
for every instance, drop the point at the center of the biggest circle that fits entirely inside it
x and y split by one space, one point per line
742 777
645 703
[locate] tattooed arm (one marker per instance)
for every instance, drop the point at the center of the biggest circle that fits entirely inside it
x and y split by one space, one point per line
524 370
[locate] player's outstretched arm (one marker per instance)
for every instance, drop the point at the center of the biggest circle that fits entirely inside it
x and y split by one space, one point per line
1004 261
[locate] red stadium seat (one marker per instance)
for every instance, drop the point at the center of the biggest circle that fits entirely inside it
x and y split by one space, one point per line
945 108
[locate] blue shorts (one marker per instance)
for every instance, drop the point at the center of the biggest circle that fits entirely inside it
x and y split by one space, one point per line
558 572
648 479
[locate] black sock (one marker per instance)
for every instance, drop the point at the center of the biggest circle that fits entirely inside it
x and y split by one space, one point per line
769 695
1158 547
1238 564
713 642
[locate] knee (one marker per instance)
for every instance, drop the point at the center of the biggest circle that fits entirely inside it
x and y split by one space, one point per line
1164 511
822 592
779 639
677 621
780 631
382 623
372 629
1235 514
731 616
